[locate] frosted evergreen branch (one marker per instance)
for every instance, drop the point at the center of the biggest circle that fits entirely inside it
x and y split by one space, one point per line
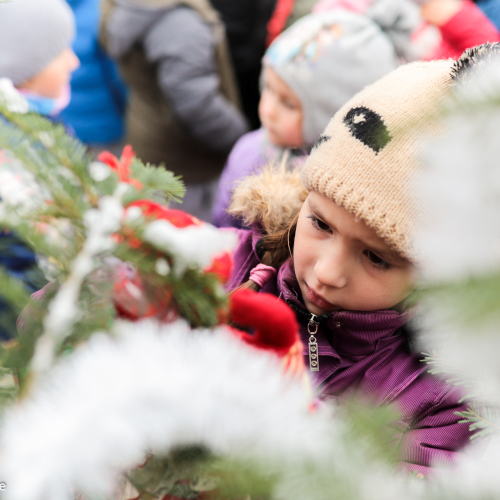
480 420
470 300
63 310
241 409
8 389
10 97
64 150
440 366
58 193
158 179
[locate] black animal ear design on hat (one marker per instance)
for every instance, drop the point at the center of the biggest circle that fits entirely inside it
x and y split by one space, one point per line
474 58
368 127
321 140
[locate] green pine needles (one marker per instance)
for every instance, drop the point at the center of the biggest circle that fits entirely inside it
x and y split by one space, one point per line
71 210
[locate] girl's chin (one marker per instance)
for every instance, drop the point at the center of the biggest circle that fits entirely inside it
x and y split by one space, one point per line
275 139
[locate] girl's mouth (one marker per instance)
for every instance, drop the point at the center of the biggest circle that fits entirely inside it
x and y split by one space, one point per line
319 301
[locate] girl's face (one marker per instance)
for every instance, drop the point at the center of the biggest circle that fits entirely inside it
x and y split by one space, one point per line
52 80
341 264
280 111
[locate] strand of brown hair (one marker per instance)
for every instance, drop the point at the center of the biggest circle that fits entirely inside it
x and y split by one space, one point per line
277 249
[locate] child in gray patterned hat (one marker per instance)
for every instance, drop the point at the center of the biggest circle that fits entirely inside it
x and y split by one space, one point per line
36 54
310 71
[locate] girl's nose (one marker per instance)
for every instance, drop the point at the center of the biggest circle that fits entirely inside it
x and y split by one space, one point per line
268 106
332 268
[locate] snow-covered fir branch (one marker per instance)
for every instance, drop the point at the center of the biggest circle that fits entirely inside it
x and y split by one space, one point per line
460 186
193 245
63 311
11 98
153 388
459 237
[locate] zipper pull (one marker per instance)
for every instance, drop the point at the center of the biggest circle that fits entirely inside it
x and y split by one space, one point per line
312 328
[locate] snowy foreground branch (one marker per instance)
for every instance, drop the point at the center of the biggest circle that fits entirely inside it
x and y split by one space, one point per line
63 310
154 388
151 389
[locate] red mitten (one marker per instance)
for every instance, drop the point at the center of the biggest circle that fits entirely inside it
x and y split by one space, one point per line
276 328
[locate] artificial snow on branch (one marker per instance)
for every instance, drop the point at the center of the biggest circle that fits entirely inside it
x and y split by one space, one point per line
185 242
101 224
149 389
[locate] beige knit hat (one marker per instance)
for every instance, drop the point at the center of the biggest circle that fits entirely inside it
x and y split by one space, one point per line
368 152
367 156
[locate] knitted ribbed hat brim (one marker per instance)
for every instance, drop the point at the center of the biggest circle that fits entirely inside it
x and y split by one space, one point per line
367 156
32 34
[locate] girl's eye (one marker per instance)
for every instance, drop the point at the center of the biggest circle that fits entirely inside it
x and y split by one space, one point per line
289 105
265 88
318 223
377 261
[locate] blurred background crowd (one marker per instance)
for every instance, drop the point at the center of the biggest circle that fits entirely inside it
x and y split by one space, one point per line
213 89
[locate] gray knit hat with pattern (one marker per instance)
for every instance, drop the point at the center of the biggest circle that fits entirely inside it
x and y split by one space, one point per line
328 57
32 34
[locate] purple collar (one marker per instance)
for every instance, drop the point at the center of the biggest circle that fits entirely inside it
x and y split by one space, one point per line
355 333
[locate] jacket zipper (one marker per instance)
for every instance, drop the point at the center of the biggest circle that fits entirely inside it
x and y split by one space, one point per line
312 328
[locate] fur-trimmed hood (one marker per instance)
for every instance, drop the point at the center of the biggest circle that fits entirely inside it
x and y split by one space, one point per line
270 199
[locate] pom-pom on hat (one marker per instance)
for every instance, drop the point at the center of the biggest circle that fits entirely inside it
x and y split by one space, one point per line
368 154
32 34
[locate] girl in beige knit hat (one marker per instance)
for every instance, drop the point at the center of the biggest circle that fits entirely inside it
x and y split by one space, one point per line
309 72
336 245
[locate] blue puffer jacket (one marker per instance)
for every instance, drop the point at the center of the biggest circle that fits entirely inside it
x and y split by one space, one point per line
98 97
492 9
19 261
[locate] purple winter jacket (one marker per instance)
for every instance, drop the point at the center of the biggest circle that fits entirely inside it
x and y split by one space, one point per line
250 153
364 353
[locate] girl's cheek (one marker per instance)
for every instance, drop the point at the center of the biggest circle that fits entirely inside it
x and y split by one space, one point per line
411 284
